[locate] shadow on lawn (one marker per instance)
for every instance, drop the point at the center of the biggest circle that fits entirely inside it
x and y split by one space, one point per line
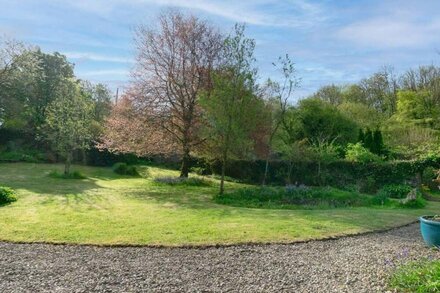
35 178
193 197
75 200
321 221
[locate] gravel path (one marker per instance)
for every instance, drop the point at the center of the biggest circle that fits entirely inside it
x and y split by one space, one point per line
352 264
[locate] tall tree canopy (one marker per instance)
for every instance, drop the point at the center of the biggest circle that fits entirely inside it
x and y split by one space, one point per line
174 61
231 109
68 121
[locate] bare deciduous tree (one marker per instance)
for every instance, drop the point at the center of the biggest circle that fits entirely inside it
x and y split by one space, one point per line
279 95
174 61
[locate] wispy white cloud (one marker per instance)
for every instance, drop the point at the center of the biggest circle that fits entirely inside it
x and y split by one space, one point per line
264 13
87 56
292 13
330 41
105 72
390 33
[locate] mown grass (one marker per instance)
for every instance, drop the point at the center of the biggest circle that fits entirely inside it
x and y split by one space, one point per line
107 208
421 276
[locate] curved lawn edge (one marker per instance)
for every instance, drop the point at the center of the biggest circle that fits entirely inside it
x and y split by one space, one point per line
218 245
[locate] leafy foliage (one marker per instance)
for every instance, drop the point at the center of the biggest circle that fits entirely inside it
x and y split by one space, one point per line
395 190
358 153
7 195
19 156
293 197
320 120
191 181
416 203
124 169
68 121
232 108
420 276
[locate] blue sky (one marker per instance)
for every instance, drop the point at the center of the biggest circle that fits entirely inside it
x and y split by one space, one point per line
330 41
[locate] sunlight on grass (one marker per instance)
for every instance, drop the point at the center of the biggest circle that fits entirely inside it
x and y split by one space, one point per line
107 208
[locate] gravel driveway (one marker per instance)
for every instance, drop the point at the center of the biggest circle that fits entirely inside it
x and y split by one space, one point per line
351 264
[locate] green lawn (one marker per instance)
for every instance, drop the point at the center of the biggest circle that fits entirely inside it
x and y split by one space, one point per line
111 209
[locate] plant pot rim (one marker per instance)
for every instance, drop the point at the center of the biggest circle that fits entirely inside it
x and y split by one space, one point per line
427 221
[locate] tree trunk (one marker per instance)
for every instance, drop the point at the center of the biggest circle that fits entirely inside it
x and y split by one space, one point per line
266 169
222 179
289 172
68 163
319 173
419 179
84 157
184 170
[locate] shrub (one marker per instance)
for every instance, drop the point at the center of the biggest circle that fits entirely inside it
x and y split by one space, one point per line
7 195
193 181
338 173
419 276
71 175
380 200
416 203
124 169
359 154
15 156
227 178
367 185
395 190
199 171
429 178
292 197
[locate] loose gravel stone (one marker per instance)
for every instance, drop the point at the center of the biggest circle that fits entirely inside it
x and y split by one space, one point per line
349 264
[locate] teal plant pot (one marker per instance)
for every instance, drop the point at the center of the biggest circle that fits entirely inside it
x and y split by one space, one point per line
430 231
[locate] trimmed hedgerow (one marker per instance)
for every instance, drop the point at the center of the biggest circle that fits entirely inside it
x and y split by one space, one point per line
369 176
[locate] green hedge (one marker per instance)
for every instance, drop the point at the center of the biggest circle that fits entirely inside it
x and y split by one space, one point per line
369 177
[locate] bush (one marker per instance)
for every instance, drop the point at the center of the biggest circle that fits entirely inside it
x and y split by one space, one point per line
293 197
97 157
367 185
338 173
71 175
16 156
416 203
7 195
420 276
177 181
199 171
226 178
395 190
124 169
359 154
380 200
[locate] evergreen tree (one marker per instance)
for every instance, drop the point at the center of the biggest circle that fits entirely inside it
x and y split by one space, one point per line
378 145
361 136
368 139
